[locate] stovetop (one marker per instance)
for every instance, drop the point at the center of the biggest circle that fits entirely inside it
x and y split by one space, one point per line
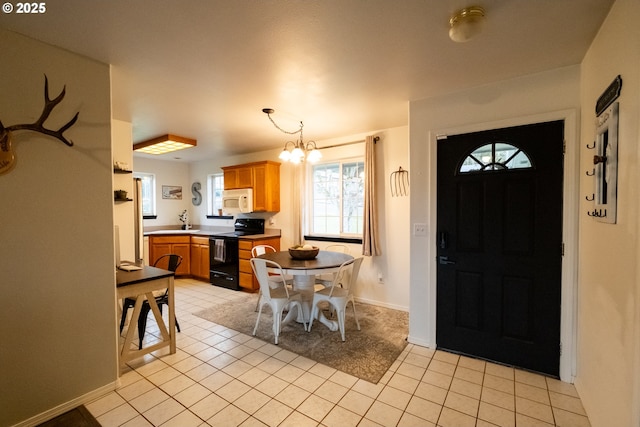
245 227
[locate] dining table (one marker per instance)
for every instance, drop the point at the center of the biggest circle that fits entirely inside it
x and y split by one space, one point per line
304 277
140 284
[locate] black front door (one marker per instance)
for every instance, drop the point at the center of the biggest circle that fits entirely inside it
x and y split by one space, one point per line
500 245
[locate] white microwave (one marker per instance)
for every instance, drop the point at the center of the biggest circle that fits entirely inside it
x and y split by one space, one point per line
237 201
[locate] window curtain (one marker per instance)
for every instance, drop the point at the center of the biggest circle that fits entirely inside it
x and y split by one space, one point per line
298 197
370 244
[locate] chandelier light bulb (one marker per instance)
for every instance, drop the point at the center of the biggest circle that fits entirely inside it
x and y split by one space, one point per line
285 155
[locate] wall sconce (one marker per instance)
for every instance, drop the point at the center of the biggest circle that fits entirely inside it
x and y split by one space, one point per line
164 144
298 151
466 24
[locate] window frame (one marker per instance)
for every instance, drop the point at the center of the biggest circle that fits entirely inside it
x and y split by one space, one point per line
152 194
215 182
309 202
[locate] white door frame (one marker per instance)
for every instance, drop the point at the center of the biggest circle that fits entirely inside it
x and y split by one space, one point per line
569 280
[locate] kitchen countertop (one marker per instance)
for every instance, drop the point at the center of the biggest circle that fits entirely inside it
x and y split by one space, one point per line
269 232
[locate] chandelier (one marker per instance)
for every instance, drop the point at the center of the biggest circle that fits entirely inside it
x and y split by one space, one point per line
296 151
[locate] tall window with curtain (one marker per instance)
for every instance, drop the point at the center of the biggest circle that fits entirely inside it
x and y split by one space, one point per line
370 243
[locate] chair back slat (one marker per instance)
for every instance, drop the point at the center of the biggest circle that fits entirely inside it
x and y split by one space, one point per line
261 270
261 250
173 261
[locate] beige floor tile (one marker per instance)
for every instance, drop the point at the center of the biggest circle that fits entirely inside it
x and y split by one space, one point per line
437 379
292 396
341 417
135 389
315 407
331 391
530 378
411 370
191 395
163 412
148 400
216 380
209 406
461 403
499 383
500 371
383 414
471 363
232 390
229 416
271 386
568 403
296 419
534 410
404 383
394 397
183 419
187 364
409 420
496 415
431 393
309 381
104 404
356 402
164 375
466 388
289 373
271 365
417 360
498 398
251 401
446 357
442 367
569 419
321 370
343 379
469 374
524 421
118 415
530 392
424 409
138 421
367 388
451 418
562 387
253 377
176 385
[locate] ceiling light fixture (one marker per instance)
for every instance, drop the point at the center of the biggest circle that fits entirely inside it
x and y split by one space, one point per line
466 24
297 151
164 144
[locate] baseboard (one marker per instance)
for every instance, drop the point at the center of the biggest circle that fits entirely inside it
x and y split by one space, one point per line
420 342
67 406
382 304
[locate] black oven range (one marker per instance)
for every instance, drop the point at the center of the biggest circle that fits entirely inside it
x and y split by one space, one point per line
223 252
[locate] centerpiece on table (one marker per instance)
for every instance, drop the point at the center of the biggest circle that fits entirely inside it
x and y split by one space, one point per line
304 251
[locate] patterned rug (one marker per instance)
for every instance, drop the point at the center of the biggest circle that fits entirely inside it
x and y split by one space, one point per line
366 354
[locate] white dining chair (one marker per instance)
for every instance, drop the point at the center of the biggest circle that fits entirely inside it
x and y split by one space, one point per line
339 294
278 297
325 280
258 250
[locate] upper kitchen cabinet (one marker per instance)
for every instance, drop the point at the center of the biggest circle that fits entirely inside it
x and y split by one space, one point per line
262 177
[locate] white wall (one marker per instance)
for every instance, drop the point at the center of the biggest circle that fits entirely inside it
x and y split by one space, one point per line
58 320
609 311
392 152
541 97
123 212
173 173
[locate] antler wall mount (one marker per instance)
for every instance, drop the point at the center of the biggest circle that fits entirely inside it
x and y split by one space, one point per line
7 153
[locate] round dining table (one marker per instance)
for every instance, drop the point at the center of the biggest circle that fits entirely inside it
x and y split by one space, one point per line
304 277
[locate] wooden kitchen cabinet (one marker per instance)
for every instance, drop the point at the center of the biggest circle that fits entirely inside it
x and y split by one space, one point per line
238 177
262 177
248 281
200 257
179 245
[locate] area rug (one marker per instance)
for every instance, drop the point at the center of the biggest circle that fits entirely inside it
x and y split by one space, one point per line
366 354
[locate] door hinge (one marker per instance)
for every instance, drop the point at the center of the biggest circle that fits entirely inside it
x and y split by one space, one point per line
560 347
562 248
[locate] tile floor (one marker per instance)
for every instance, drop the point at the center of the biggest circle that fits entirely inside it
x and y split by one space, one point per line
221 378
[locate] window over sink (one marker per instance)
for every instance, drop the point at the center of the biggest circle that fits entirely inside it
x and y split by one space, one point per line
148 194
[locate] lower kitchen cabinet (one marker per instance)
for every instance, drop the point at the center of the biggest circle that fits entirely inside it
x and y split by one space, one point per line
179 245
200 257
248 282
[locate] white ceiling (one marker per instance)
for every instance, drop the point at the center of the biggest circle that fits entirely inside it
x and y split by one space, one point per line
204 69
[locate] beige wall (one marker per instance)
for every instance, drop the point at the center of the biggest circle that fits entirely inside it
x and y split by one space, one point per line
57 274
609 312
